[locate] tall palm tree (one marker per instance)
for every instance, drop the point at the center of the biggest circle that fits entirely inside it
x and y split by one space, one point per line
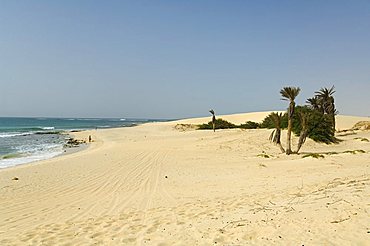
276 134
303 117
213 119
289 94
325 97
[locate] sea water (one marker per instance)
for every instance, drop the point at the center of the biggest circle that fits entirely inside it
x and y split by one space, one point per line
24 140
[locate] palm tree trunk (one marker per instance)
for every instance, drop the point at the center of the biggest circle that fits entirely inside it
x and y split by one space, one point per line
301 140
214 123
278 134
281 148
289 134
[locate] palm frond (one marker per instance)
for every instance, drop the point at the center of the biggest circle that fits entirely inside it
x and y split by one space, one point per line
326 99
325 92
276 133
289 93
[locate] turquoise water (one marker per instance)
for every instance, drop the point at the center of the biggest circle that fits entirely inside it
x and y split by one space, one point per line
24 140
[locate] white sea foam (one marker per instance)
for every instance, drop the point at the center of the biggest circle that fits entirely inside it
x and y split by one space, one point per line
14 134
32 153
27 159
90 119
39 148
105 126
48 128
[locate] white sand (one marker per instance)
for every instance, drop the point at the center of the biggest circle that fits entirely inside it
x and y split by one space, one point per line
346 122
154 185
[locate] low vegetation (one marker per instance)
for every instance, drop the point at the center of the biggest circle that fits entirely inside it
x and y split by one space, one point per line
362 139
250 125
355 151
318 155
346 133
217 124
331 153
313 155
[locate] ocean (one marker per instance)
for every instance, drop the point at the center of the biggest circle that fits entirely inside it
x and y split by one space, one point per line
24 140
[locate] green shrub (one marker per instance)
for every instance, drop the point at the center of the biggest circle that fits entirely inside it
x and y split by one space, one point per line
362 139
331 153
269 123
320 126
354 151
313 155
220 124
250 125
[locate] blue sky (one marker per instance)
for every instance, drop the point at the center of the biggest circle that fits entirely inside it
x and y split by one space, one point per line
174 59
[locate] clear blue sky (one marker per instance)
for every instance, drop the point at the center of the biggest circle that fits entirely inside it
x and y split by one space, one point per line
173 59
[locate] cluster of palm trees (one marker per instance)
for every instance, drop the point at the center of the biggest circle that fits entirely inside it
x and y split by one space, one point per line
323 101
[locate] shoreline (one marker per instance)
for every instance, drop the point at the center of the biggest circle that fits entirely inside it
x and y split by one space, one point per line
155 184
69 150
64 151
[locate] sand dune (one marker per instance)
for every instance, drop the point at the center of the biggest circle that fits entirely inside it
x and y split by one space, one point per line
347 122
155 185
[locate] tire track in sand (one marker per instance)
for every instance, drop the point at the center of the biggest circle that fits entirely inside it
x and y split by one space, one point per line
150 190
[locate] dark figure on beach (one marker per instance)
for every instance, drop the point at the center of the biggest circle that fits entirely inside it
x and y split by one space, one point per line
89 138
213 119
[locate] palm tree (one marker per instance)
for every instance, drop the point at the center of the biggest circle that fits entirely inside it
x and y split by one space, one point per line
315 103
276 134
213 119
303 117
325 97
289 94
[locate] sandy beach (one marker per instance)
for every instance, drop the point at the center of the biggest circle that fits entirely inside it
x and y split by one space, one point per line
158 184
